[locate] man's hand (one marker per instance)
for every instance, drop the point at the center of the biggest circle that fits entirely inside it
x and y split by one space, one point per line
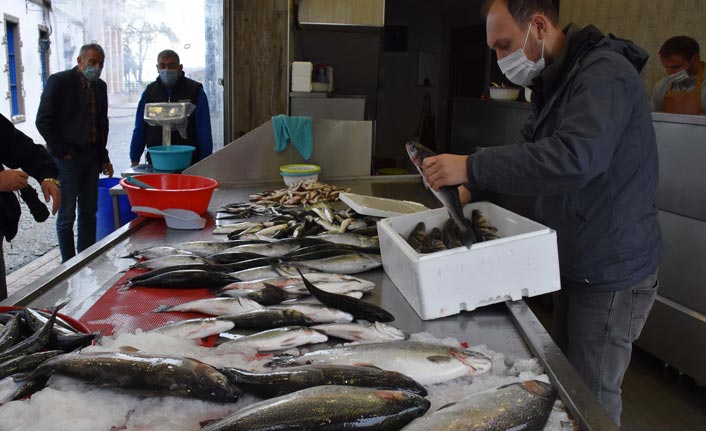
12 179
445 170
51 190
108 169
133 164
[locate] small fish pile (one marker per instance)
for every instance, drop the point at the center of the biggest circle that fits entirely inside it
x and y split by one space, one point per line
301 192
29 338
448 237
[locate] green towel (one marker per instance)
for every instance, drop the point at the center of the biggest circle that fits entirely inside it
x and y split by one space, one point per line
296 130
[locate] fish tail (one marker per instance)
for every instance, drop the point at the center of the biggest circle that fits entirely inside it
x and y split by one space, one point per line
468 238
162 308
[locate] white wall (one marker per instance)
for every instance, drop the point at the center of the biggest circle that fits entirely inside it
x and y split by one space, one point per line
30 16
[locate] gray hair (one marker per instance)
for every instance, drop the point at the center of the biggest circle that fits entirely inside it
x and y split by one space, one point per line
91 47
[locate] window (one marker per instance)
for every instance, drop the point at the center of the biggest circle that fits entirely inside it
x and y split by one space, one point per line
12 37
44 55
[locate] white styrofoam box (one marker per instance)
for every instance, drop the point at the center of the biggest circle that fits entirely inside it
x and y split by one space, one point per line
524 261
302 68
301 84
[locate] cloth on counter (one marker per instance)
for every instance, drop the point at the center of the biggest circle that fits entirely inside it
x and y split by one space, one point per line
296 130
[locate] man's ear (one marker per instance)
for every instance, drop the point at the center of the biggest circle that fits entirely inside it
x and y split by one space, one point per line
541 22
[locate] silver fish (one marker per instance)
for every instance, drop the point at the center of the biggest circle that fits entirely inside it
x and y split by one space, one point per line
157 251
448 195
351 239
214 306
234 227
363 331
328 408
317 313
167 261
346 264
518 406
312 299
274 339
194 328
204 248
275 249
426 363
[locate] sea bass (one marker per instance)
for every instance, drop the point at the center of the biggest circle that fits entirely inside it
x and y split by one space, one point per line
214 306
146 374
328 408
360 331
448 195
274 339
518 406
195 328
287 380
424 362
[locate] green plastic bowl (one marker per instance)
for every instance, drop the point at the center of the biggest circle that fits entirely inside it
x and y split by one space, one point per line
171 157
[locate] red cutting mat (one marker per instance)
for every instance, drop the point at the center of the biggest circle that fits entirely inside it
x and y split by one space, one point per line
121 309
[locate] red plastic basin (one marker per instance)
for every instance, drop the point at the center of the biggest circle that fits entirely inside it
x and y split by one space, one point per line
189 192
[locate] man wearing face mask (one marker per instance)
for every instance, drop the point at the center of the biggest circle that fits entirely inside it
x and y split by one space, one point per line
172 86
683 90
589 156
73 120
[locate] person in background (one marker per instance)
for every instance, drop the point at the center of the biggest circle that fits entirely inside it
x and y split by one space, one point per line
73 119
683 90
172 86
18 151
589 155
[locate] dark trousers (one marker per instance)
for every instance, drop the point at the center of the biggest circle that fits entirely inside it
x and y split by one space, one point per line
3 281
596 331
79 189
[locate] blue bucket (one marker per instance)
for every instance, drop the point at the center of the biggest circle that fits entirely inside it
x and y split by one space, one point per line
171 157
105 224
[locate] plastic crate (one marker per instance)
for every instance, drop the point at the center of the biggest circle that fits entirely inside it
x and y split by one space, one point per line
523 262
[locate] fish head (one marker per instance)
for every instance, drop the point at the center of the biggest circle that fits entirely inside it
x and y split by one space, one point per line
476 361
539 388
413 151
389 332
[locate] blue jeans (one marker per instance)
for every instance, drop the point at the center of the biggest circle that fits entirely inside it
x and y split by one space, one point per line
79 188
596 331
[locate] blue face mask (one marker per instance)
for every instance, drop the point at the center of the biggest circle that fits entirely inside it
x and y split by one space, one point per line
169 76
92 73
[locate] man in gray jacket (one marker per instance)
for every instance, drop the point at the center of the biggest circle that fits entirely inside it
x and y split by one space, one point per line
589 155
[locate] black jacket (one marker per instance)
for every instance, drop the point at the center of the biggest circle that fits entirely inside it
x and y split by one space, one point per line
18 151
590 156
184 90
62 118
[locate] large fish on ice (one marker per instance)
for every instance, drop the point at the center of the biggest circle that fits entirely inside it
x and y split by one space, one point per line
447 195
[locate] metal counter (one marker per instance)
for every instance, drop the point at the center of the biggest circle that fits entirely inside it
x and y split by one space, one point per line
510 328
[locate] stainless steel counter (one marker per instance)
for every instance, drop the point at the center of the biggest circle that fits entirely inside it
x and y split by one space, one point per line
509 328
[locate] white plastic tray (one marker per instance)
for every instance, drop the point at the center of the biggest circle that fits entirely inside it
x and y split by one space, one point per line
380 207
523 262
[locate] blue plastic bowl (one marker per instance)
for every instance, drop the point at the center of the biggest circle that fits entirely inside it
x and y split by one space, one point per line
171 157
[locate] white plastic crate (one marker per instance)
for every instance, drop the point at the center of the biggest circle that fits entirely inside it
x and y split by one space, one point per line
523 262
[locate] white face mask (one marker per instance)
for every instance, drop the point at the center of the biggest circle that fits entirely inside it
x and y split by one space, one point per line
680 76
518 68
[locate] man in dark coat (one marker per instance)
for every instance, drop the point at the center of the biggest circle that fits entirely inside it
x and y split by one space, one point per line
18 151
73 119
172 86
589 155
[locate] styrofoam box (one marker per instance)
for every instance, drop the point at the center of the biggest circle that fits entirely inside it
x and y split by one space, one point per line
523 262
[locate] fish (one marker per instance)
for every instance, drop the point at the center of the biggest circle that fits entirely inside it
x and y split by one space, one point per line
434 242
69 342
155 252
518 406
233 257
169 261
12 389
154 272
312 300
447 195
205 248
34 319
334 283
33 343
145 374
287 380
11 334
26 362
269 319
274 339
328 408
362 331
317 313
186 279
226 229
347 264
351 239
482 227
417 237
451 235
359 309
213 306
195 329
426 363
272 249
268 295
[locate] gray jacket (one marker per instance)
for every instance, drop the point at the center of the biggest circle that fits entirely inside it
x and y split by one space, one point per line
590 156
